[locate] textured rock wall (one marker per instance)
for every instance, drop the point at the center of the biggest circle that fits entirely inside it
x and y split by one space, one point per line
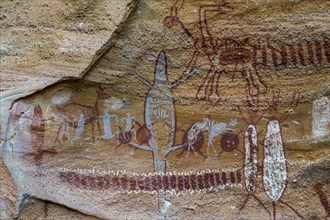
184 109
43 42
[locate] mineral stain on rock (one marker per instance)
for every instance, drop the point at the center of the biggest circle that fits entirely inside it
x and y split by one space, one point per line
202 65
37 132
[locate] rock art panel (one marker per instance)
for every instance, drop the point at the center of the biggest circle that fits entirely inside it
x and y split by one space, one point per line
230 56
196 119
71 130
274 163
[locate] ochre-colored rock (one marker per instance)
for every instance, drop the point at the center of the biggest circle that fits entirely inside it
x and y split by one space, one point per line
195 109
8 193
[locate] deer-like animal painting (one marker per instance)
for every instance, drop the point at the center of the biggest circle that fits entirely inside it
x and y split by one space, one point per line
89 114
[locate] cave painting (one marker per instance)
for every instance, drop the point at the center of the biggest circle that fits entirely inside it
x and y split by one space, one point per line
231 56
153 183
251 164
108 131
37 132
159 130
155 136
159 115
274 164
194 137
89 114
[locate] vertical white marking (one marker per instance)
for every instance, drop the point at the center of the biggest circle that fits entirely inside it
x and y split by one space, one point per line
80 127
106 125
166 206
108 134
321 119
69 130
251 158
129 122
274 172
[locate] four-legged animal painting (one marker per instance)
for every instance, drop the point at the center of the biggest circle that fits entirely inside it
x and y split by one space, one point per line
201 119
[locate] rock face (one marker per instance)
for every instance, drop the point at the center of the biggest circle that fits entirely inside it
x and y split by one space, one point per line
43 42
8 193
204 110
37 209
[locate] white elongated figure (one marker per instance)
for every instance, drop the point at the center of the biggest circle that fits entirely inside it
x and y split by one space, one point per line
65 130
108 133
274 168
321 120
251 158
160 115
274 164
251 165
130 121
80 127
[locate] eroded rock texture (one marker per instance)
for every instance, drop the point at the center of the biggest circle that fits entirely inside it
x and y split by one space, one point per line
43 42
198 109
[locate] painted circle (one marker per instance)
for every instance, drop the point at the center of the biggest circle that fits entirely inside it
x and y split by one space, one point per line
143 135
229 141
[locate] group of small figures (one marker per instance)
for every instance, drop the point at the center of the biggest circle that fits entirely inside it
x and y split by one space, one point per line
193 137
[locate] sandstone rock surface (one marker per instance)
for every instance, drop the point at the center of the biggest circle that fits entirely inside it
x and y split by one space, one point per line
43 42
184 109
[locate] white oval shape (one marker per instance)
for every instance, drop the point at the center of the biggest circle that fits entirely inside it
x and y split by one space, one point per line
159 109
321 118
274 168
251 158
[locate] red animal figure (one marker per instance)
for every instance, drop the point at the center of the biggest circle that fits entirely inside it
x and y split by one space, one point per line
274 162
225 56
90 113
232 56
37 132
